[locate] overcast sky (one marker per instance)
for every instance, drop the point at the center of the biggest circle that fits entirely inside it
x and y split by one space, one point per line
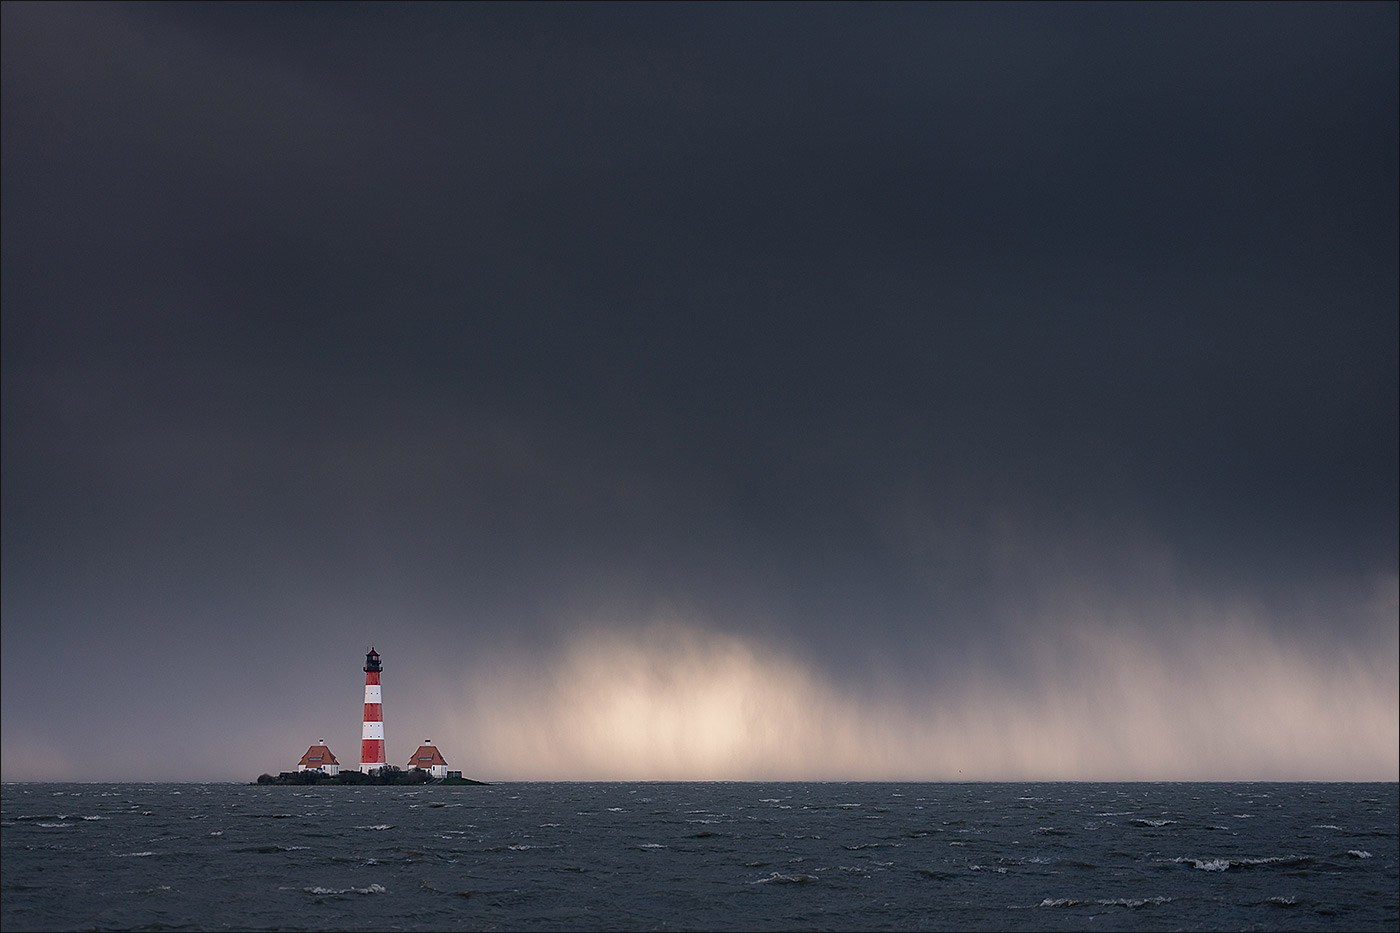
702 391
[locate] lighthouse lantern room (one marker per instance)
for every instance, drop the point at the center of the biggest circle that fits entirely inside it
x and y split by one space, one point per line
372 733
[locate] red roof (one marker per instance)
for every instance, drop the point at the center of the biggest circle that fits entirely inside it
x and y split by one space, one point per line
317 756
426 757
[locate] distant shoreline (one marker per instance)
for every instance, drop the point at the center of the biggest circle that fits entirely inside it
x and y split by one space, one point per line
381 776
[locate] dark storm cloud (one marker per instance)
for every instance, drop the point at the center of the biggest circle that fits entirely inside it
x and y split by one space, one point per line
906 336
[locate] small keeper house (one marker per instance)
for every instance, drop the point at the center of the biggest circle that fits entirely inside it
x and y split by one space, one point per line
319 758
429 759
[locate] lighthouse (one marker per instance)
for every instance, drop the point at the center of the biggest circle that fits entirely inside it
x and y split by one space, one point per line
372 734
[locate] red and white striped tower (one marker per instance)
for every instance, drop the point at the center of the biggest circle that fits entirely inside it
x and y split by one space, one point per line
372 735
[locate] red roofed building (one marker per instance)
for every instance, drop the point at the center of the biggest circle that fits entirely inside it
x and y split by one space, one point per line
429 759
319 758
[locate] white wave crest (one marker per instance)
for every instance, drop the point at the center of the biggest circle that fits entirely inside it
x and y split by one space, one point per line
1358 853
372 889
779 878
1131 902
1271 860
1222 864
1136 902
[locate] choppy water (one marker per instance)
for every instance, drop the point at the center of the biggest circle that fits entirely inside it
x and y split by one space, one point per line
701 856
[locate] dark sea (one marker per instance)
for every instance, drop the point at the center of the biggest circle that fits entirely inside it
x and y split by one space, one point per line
703 856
